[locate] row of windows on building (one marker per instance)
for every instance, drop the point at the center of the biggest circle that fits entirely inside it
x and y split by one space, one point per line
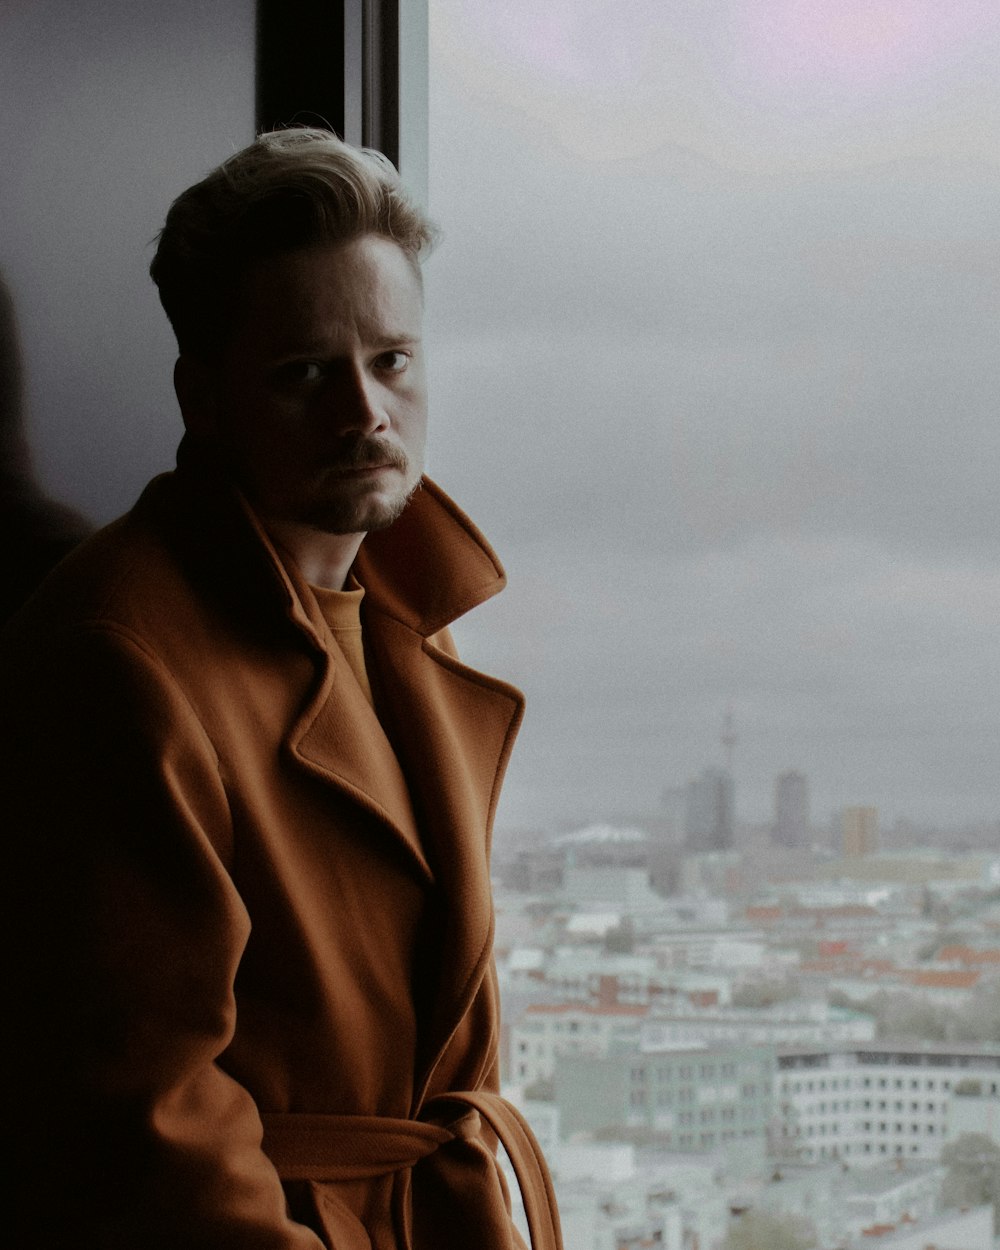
687 1072
708 1115
864 1126
575 1026
802 1086
811 1153
863 1104
706 1141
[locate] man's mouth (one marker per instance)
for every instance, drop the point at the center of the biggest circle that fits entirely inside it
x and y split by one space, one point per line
369 460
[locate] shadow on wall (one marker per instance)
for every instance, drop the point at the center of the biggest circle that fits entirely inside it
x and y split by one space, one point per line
35 531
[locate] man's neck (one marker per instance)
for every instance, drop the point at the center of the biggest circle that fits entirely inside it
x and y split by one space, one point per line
322 559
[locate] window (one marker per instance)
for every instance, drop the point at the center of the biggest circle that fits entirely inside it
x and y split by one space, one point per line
787 205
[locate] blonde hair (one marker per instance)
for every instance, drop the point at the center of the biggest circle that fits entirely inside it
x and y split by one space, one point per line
289 189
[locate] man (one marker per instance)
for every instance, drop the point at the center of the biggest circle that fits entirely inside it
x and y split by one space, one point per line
250 785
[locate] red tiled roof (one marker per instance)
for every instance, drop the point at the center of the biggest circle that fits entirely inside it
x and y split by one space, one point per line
764 914
845 911
943 979
849 965
967 955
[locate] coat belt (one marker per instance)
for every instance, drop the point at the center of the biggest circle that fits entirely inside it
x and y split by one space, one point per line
306 1147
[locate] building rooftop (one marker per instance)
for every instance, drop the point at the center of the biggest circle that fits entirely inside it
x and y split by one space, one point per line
883 1178
585 1009
911 1046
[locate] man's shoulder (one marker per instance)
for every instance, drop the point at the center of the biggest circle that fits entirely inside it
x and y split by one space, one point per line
133 575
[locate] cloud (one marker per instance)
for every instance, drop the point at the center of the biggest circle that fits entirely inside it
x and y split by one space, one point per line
733 429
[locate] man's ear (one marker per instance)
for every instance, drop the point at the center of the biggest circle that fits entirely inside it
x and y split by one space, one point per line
194 384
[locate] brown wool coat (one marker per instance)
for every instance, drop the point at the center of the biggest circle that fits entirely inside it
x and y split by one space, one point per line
228 913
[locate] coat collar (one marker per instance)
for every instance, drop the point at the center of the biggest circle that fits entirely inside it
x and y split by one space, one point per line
426 570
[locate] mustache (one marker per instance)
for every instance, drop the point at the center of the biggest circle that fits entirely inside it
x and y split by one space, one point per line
368 453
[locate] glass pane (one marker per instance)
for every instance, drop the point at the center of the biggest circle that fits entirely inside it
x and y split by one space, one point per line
714 351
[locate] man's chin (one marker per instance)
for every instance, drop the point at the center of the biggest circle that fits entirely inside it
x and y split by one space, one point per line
362 516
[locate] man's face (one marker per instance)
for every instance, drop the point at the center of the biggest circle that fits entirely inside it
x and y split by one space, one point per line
319 402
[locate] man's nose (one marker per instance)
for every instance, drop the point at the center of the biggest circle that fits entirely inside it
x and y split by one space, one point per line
359 403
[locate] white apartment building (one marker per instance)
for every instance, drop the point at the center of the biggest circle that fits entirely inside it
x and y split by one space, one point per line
867 1105
696 1101
544 1032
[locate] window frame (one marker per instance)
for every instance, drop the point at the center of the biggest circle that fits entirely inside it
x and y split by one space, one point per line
362 73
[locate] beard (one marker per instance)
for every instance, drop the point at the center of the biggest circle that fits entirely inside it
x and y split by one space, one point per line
343 504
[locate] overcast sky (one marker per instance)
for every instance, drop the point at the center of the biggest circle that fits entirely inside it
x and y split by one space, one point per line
715 362
713 336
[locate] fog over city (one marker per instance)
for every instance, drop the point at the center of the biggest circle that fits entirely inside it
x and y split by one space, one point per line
714 361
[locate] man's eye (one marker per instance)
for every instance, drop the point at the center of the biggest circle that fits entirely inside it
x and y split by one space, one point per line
393 362
298 372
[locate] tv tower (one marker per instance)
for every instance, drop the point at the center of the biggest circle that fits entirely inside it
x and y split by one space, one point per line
728 738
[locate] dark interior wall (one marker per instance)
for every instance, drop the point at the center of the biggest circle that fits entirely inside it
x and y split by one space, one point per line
110 107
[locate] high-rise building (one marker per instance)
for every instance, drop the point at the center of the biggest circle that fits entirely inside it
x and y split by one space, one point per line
791 809
708 813
860 830
673 803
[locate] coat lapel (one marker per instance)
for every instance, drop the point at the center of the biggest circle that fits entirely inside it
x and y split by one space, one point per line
454 729
340 739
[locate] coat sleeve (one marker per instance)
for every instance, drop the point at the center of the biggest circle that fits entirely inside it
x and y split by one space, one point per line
124 934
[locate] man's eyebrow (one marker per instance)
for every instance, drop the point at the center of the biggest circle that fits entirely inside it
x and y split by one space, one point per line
404 338
281 346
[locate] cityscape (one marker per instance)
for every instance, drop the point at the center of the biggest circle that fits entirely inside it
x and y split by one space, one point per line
770 1037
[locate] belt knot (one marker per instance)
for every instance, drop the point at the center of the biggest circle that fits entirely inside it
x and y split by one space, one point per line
305 1147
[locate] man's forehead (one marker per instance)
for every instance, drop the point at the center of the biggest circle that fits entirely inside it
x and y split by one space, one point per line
369 287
